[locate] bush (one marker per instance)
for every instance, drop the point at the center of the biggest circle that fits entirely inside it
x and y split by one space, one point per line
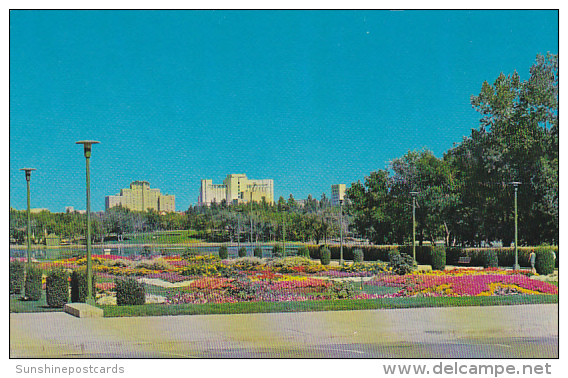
33 283
400 263
223 252
439 258
129 292
16 277
489 258
79 285
358 255
325 256
155 264
57 288
341 290
290 264
423 252
544 263
247 263
303 252
258 252
277 251
242 252
188 253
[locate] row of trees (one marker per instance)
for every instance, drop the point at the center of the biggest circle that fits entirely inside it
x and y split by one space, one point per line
465 197
312 220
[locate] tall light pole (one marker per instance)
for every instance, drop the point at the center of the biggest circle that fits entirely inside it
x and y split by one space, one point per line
28 172
340 232
87 146
516 266
414 225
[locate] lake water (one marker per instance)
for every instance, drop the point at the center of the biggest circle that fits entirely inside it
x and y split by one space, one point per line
138 251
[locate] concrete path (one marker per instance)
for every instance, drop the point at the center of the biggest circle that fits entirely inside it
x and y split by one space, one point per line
527 331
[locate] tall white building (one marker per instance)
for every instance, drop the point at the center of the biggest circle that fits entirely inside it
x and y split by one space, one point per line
236 188
337 193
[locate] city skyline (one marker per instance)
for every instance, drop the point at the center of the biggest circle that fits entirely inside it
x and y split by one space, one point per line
316 98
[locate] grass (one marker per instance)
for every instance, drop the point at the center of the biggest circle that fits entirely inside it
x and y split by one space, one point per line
17 305
322 305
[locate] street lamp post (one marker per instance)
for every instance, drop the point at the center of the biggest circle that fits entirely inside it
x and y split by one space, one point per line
29 230
516 266
87 146
340 232
414 225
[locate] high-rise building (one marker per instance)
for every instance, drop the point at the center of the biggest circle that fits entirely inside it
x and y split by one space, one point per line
140 197
337 193
236 188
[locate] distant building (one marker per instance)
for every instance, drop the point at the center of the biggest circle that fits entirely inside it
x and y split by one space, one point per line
236 188
140 197
337 193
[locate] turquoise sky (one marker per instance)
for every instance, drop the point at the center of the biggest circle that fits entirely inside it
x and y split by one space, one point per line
307 98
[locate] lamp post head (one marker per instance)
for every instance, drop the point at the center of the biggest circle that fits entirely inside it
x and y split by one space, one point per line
87 146
28 172
413 194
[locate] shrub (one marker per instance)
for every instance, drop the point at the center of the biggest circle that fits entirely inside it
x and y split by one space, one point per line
258 252
400 263
358 255
155 264
290 264
277 251
33 283
303 252
57 288
489 258
188 253
341 290
242 252
16 277
223 252
79 285
325 256
439 258
247 263
129 292
544 263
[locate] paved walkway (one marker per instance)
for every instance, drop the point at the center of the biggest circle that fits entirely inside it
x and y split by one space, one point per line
528 331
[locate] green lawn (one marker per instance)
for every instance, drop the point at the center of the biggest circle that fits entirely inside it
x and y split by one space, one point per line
17 305
322 305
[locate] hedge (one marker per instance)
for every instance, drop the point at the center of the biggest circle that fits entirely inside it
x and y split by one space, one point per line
129 292
57 288
258 252
544 263
33 284
223 252
16 277
439 258
79 285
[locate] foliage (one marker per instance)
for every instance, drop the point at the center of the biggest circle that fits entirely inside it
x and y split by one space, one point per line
16 277
277 251
303 252
400 263
439 258
544 263
341 290
489 258
242 252
290 264
129 292
57 288
247 263
325 256
154 264
258 252
79 285
33 283
223 252
358 255
189 253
